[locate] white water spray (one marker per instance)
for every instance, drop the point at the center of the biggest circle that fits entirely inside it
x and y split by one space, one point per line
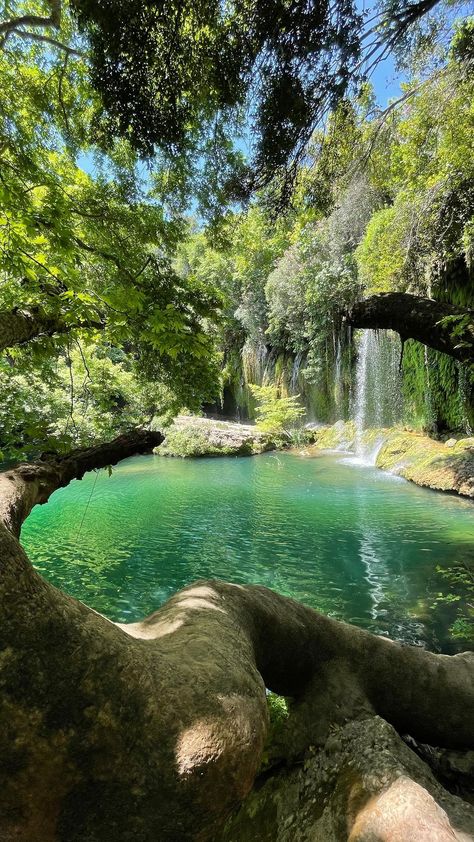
377 399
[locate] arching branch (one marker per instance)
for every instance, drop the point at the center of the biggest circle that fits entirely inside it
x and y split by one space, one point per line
445 327
53 20
30 484
37 21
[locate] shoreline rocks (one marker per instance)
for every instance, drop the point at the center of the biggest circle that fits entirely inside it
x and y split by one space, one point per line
193 436
442 466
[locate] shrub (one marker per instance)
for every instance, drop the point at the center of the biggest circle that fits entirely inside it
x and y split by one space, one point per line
275 414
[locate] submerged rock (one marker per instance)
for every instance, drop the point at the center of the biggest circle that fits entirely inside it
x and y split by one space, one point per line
191 435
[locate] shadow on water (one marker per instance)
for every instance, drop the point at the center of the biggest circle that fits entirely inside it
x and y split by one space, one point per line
348 540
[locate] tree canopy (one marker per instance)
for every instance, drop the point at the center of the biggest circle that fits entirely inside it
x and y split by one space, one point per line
114 115
181 77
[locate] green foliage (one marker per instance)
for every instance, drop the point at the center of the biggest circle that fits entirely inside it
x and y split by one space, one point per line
381 255
181 76
275 414
405 224
460 580
93 250
185 442
422 159
89 393
277 710
258 300
278 713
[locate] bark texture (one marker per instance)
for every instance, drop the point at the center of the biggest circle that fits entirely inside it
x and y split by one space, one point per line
363 785
415 317
155 730
20 326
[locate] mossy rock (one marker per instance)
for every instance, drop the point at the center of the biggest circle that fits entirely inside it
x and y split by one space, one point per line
191 436
339 436
418 458
429 463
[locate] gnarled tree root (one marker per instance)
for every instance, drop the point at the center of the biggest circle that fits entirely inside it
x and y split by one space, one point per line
365 784
155 730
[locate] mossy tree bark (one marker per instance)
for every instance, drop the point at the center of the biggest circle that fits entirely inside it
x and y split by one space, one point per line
18 327
444 327
155 730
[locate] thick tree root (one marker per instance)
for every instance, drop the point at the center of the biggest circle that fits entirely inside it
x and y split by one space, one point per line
155 730
364 785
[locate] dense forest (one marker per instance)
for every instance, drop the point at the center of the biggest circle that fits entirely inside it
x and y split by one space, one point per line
198 199
118 286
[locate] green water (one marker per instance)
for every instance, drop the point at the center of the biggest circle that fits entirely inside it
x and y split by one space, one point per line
346 539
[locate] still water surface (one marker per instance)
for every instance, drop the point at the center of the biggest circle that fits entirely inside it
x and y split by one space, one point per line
347 539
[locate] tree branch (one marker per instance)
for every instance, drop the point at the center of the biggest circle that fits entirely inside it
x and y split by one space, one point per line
20 326
45 39
38 21
445 327
7 27
33 483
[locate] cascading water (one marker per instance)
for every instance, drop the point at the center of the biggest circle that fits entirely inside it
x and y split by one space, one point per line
338 385
377 398
296 371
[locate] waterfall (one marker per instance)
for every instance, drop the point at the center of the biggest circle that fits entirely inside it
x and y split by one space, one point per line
338 389
295 371
377 399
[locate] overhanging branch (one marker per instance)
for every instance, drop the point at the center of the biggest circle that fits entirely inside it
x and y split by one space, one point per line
445 327
30 484
7 27
20 326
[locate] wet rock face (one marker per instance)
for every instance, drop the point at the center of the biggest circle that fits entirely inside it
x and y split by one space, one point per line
193 436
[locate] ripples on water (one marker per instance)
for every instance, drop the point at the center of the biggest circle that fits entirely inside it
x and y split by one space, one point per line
349 540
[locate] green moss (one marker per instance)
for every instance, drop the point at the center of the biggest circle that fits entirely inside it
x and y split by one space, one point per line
341 435
278 713
428 462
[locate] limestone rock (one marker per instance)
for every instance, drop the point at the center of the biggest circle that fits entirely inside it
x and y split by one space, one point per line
191 435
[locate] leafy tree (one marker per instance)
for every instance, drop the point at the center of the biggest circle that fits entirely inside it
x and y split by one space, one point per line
276 414
88 393
86 255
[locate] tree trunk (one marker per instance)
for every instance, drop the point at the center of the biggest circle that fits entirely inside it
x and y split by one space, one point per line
155 730
18 327
414 317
